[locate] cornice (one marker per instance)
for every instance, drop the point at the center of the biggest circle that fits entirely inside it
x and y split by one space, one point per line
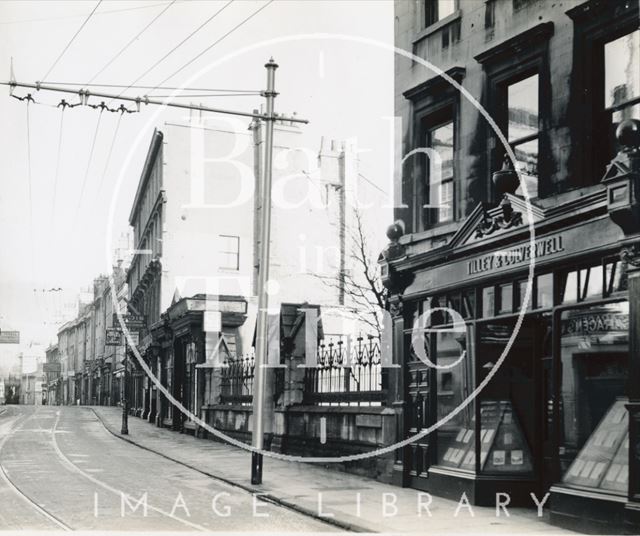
434 84
513 46
573 212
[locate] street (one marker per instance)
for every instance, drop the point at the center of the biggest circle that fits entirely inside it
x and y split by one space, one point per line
62 470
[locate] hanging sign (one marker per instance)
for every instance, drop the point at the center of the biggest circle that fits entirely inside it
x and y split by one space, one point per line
113 337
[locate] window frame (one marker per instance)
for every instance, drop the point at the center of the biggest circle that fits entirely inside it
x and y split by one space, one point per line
224 252
594 26
500 83
506 63
432 214
427 121
431 9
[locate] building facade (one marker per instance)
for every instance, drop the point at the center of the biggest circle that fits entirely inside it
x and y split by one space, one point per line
52 376
195 222
513 283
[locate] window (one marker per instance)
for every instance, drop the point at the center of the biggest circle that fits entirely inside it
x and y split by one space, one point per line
440 172
436 10
622 79
523 130
582 284
505 296
229 252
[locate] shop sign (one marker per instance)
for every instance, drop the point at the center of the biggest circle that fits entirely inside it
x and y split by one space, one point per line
51 367
135 338
113 337
589 323
131 321
517 255
9 337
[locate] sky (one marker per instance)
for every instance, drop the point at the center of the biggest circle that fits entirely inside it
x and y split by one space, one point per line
54 219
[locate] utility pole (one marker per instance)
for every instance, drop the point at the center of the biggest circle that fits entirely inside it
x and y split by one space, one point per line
125 400
265 232
263 278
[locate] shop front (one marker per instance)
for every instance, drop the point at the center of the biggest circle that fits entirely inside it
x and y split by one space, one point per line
198 329
514 340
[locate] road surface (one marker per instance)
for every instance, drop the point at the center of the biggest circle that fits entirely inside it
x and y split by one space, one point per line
61 470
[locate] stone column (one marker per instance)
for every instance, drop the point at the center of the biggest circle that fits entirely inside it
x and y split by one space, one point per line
396 389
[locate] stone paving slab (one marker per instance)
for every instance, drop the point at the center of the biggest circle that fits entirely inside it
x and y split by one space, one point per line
348 501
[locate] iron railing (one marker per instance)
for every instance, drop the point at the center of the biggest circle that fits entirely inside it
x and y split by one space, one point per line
237 374
346 376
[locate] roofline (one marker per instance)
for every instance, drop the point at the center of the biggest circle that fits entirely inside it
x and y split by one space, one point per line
154 147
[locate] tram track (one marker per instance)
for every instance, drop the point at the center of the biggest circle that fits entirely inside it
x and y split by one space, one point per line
73 467
20 420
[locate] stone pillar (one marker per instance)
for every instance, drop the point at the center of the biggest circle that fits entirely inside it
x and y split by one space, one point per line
396 389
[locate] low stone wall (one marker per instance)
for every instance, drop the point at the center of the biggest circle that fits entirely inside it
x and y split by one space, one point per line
297 431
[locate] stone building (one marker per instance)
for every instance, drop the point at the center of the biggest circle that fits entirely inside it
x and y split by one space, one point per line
195 220
514 293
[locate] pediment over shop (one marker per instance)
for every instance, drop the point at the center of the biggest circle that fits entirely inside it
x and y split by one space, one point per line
487 222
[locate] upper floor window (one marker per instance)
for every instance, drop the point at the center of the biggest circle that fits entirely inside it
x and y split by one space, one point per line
440 172
523 129
229 252
622 79
436 10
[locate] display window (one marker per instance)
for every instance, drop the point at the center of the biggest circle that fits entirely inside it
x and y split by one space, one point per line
506 412
594 356
455 440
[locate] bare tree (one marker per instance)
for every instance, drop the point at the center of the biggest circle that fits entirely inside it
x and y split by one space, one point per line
362 286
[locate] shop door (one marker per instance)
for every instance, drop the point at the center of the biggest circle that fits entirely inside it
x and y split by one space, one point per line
418 417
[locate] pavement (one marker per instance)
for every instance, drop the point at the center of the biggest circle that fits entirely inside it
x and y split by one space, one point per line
342 500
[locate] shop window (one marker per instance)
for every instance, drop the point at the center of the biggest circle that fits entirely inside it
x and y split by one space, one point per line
455 439
544 291
454 302
507 414
505 298
229 252
622 80
591 282
613 277
569 287
582 284
469 303
521 288
594 352
440 172
488 302
436 10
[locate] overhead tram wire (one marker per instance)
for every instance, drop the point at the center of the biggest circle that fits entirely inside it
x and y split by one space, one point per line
86 173
66 17
71 41
55 179
29 177
106 165
133 40
176 47
245 20
129 86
